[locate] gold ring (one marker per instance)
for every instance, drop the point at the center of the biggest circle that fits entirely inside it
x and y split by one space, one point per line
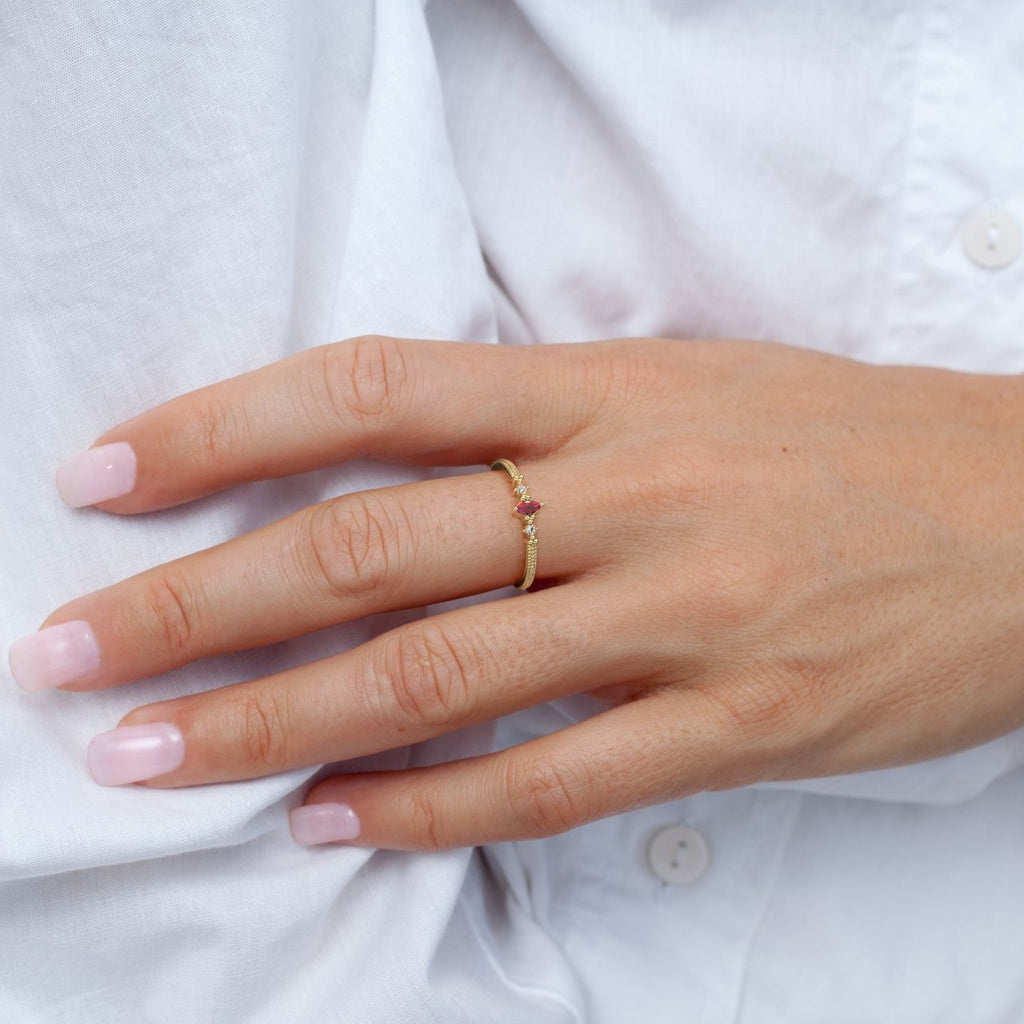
526 509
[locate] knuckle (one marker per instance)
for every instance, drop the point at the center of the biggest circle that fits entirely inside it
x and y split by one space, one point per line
352 544
218 429
732 597
430 677
171 607
795 693
667 485
634 377
769 707
547 798
424 822
264 734
364 380
740 583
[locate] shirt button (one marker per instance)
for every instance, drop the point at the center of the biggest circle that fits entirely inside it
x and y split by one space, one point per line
991 238
678 854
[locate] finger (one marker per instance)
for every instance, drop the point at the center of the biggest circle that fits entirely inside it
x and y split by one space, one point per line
416 682
372 551
661 747
438 403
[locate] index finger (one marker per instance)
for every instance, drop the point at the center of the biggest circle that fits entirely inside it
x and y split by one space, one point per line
437 403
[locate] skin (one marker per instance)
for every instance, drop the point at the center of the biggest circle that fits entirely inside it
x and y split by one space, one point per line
770 563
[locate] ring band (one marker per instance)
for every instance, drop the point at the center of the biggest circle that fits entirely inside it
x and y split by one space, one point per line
526 509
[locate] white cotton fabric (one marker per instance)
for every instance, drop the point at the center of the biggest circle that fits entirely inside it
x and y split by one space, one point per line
192 190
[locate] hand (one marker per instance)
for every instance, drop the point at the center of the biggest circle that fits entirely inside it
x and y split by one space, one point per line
769 563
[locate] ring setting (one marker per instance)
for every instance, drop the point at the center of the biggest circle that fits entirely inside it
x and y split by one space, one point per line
526 509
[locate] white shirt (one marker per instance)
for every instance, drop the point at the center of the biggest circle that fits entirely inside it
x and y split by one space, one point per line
190 191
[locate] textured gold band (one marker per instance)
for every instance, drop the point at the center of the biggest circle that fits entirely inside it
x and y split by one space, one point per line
526 509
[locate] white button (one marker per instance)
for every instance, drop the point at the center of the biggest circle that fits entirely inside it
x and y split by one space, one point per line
678 854
991 238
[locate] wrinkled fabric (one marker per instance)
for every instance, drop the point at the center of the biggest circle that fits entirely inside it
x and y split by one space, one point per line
193 190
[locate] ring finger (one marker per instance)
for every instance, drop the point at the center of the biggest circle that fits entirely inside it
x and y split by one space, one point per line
359 554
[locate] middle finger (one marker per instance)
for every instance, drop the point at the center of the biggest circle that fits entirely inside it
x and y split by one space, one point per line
411 684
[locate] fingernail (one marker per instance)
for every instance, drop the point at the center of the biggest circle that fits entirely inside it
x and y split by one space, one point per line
97 475
134 753
323 823
54 656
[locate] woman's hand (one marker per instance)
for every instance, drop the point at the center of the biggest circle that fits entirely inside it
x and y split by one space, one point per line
768 562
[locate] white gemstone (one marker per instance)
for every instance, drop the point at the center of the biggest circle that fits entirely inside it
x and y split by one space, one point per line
520 489
530 530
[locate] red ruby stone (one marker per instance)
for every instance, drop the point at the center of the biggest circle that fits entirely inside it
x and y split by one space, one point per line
528 508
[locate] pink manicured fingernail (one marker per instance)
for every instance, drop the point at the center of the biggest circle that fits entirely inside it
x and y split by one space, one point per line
54 656
134 753
97 475
323 823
